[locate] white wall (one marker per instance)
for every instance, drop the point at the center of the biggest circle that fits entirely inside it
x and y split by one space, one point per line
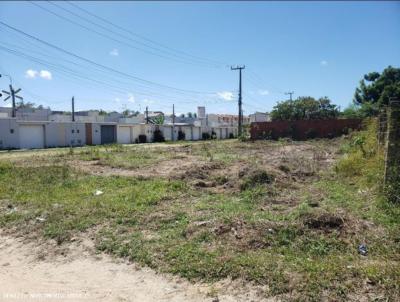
96 134
9 134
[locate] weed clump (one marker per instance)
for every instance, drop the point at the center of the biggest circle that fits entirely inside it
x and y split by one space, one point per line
255 177
323 221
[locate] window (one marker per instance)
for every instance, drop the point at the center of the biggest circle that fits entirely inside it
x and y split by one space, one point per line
11 131
73 131
77 130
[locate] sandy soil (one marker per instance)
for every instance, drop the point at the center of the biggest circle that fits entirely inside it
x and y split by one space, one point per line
79 275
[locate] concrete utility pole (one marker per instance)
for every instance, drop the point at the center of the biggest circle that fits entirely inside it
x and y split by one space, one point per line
290 93
73 109
147 114
173 122
12 94
240 120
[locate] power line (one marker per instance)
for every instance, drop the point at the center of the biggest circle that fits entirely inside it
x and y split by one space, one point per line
144 38
101 65
103 34
80 76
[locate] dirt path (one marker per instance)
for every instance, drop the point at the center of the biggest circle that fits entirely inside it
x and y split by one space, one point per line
83 276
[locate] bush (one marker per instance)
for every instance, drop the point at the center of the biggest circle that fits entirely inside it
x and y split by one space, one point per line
231 135
158 136
205 136
181 135
142 139
213 135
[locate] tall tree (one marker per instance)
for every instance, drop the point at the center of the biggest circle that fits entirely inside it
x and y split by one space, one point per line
305 108
375 89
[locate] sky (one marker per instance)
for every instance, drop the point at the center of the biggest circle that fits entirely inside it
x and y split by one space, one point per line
129 55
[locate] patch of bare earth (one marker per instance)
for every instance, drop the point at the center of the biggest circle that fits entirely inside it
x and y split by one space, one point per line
30 273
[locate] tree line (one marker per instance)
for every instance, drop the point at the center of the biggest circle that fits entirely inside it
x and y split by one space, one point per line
370 96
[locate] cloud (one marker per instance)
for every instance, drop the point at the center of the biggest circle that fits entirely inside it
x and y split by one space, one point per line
117 100
114 52
263 92
323 63
31 74
131 98
44 74
225 95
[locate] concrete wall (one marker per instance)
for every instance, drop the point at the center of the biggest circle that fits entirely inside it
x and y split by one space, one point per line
303 129
167 132
75 134
96 134
9 134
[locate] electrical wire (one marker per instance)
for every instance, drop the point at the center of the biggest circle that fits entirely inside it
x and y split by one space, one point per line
109 69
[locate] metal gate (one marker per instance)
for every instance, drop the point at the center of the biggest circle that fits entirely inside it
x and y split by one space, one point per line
107 134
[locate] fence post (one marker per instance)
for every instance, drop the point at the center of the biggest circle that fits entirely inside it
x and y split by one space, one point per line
382 126
392 156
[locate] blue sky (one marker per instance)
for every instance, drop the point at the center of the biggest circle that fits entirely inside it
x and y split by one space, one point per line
311 48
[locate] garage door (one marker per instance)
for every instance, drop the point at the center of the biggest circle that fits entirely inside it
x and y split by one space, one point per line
31 136
107 134
124 135
188 133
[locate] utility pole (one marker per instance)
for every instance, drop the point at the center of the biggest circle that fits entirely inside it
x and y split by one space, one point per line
240 120
12 94
290 93
147 114
73 109
173 122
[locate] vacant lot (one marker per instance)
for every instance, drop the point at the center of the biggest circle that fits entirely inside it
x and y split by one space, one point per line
270 214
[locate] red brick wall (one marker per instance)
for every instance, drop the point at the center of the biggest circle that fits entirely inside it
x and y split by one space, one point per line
303 129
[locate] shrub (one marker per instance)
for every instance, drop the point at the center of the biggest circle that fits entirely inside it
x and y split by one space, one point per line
213 135
142 138
158 136
231 135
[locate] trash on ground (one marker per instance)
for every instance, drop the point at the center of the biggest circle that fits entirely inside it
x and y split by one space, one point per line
98 192
363 250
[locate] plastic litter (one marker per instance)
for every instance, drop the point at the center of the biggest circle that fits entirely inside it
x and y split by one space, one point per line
363 250
98 192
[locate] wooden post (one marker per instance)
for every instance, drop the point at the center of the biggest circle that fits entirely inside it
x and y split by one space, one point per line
392 156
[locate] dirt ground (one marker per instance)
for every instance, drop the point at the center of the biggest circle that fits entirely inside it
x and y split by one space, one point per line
37 271
80 275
